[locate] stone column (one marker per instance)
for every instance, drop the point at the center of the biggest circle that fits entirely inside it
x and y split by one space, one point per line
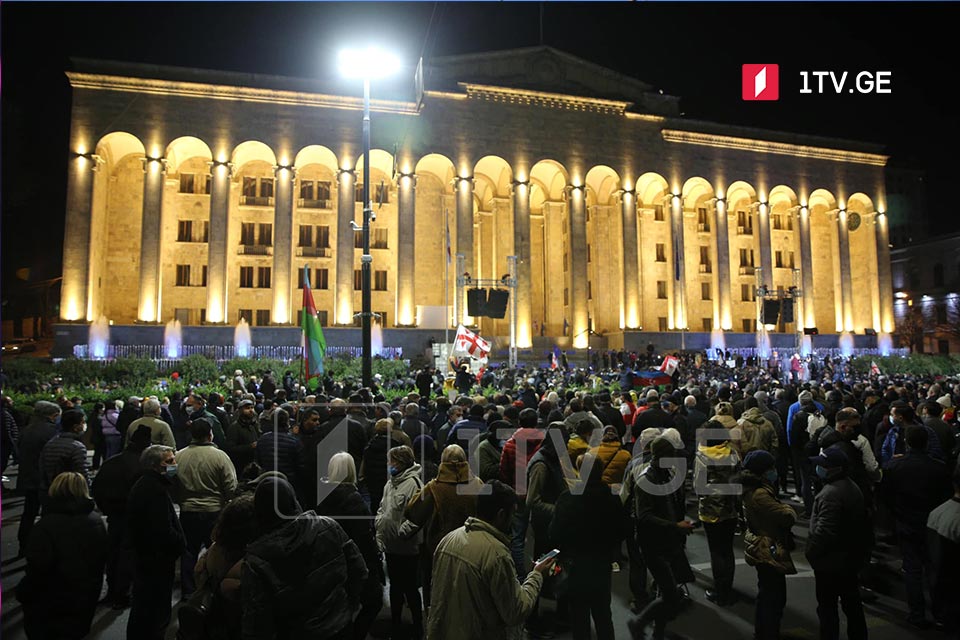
464 241
77 255
154 169
678 275
283 245
631 270
846 284
577 220
885 281
806 268
217 245
346 213
763 240
721 229
521 248
406 261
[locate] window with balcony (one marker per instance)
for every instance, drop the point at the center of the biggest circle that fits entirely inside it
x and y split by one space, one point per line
187 182
744 223
703 220
661 289
323 236
183 275
246 277
265 234
266 188
322 278
661 252
185 231
256 191
263 277
705 266
248 233
306 236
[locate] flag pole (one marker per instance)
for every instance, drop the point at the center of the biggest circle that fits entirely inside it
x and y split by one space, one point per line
303 335
446 281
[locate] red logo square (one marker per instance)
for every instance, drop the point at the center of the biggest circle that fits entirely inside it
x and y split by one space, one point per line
761 82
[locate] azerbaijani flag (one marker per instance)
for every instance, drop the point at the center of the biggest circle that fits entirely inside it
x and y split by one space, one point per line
314 344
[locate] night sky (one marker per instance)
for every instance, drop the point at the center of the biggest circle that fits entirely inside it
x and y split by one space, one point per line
690 50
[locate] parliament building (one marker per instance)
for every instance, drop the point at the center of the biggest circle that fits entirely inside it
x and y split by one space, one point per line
201 196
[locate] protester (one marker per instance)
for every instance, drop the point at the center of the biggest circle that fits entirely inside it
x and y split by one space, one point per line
717 462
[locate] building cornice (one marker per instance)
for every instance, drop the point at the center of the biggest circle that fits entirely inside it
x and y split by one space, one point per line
543 99
98 82
779 148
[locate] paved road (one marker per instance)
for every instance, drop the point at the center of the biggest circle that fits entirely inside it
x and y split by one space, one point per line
701 620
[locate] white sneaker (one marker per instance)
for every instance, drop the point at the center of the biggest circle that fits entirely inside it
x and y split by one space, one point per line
615 567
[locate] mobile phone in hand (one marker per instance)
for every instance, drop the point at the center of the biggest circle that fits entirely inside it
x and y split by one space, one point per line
547 556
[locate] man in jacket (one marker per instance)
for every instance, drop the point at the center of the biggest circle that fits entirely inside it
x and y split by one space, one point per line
476 592
111 489
914 484
514 458
206 482
716 464
356 434
303 576
41 429
894 443
930 412
756 431
838 526
242 436
608 414
661 529
66 452
280 450
157 541
160 432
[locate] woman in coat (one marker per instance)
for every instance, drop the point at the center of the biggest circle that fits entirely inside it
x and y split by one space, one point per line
402 551
373 468
443 505
109 431
767 541
340 500
65 556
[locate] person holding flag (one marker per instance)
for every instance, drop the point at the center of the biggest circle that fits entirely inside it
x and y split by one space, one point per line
314 344
555 358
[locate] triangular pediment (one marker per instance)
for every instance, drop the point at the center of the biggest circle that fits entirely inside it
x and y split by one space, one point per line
548 70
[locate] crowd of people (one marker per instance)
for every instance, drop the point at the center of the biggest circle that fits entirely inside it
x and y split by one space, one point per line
287 513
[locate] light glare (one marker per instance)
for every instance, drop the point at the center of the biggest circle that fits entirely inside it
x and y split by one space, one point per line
369 63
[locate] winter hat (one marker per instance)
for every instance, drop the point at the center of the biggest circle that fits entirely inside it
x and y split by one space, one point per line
245 403
652 395
805 396
647 436
724 409
661 447
673 436
46 409
274 501
71 419
759 461
945 401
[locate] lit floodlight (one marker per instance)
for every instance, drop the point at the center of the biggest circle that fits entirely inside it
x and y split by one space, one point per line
368 63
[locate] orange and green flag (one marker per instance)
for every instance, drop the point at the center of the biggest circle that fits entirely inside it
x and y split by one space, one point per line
314 344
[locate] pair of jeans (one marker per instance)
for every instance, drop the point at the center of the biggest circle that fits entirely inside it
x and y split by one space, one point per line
120 559
150 608
771 599
842 586
518 539
722 561
916 563
197 526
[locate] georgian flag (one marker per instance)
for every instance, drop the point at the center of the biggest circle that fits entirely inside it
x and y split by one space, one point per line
468 342
669 365
874 369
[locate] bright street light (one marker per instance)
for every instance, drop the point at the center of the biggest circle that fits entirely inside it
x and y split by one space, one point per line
369 63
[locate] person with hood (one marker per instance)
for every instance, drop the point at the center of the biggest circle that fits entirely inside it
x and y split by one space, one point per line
111 489
113 442
838 527
637 566
242 435
586 527
661 533
373 468
575 412
340 500
546 481
157 542
767 541
756 432
402 551
443 505
477 595
302 577
611 457
722 417
490 450
716 464
65 559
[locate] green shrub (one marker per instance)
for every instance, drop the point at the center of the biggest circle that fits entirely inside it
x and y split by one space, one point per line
256 366
197 367
916 364
75 371
130 372
27 371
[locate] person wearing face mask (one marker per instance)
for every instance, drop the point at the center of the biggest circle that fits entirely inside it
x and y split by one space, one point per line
902 416
402 551
66 452
767 540
157 541
835 549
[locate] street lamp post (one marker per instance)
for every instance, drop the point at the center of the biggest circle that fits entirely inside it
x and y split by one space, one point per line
366 64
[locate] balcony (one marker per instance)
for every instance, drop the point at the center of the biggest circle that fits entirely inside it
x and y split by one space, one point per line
306 203
256 201
744 231
703 227
255 250
705 268
313 252
746 270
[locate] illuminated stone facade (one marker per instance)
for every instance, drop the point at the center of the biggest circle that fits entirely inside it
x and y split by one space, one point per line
201 195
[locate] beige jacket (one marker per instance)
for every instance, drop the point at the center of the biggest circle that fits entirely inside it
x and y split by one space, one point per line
476 595
206 478
160 432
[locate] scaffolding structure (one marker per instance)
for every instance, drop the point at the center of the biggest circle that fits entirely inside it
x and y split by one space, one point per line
508 281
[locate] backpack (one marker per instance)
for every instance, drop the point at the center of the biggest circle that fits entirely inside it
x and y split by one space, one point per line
815 422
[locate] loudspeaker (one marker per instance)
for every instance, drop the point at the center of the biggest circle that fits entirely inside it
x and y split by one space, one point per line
810 331
497 303
771 309
870 332
787 310
476 302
